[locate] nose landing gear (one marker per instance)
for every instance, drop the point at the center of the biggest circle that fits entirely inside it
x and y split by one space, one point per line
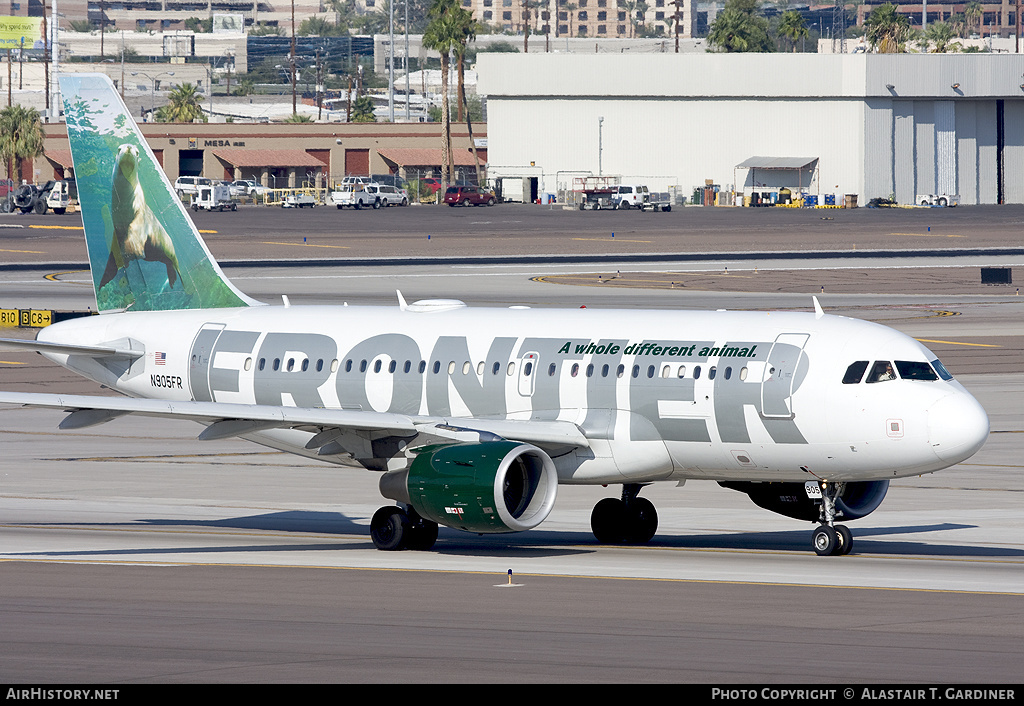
830 538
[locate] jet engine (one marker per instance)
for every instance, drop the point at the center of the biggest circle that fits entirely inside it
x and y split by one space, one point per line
857 500
488 487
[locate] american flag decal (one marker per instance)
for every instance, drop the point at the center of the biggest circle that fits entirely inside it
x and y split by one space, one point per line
160 358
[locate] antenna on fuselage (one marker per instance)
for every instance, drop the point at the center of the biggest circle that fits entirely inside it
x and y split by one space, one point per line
818 312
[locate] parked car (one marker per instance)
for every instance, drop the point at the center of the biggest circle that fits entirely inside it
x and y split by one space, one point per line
354 180
432 183
387 195
248 187
353 196
190 185
298 200
469 196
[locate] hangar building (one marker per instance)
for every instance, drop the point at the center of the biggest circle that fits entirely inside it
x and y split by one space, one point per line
870 125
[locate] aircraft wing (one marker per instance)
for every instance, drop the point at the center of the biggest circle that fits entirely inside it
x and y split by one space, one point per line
227 419
21 345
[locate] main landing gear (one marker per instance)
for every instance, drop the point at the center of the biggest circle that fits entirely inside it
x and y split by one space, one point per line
393 528
629 520
830 538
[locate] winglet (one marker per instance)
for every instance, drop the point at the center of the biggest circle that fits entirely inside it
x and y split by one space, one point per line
401 301
818 312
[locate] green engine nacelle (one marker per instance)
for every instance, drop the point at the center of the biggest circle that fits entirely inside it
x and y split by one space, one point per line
488 487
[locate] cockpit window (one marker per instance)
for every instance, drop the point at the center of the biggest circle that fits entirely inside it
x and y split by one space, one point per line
941 370
855 373
913 370
881 371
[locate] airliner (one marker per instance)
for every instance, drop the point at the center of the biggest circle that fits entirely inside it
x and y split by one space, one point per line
473 417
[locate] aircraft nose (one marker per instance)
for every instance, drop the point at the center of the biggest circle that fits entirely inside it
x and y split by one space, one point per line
957 427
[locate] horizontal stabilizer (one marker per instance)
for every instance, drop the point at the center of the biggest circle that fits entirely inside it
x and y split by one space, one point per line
19 345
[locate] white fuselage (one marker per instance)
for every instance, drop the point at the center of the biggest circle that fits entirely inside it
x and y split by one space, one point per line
659 394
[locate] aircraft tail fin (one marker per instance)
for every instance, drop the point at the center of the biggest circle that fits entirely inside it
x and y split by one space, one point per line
144 251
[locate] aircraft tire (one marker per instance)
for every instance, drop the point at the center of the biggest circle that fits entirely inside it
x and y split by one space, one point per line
389 528
607 521
845 540
422 535
641 521
825 541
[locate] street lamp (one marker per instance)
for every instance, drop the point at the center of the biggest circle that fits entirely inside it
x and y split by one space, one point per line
154 80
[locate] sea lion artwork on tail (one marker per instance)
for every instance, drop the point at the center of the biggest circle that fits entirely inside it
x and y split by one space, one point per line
138 234
145 253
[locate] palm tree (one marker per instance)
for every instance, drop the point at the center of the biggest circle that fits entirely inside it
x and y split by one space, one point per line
362 110
739 29
886 30
21 135
443 35
793 27
182 106
571 8
974 15
940 35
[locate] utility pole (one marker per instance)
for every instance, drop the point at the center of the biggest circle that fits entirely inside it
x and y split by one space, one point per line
526 26
676 3
294 105
46 63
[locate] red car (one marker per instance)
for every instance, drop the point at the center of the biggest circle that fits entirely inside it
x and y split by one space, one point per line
469 196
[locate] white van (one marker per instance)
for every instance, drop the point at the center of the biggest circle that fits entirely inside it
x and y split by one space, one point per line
631 197
190 185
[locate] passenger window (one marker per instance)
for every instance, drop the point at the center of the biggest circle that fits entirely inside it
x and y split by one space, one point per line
248 364
466 367
604 371
743 374
590 370
855 373
408 366
551 369
362 366
511 369
480 368
914 370
376 366
620 371
711 372
423 366
881 371
495 368
348 365
437 367
527 369
636 371
666 371
305 364
575 369
392 365
681 373
696 372
728 373
650 371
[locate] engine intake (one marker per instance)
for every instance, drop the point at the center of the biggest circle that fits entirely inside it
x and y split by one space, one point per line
488 487
857 500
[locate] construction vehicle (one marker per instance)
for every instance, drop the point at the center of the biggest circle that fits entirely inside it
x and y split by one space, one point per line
28 198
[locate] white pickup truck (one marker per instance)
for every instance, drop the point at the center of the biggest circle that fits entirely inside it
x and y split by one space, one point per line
354 196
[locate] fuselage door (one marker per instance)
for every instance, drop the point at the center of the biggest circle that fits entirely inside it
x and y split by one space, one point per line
199 361
779 374
528 373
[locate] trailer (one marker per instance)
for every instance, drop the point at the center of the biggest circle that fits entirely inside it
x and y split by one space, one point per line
596 193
